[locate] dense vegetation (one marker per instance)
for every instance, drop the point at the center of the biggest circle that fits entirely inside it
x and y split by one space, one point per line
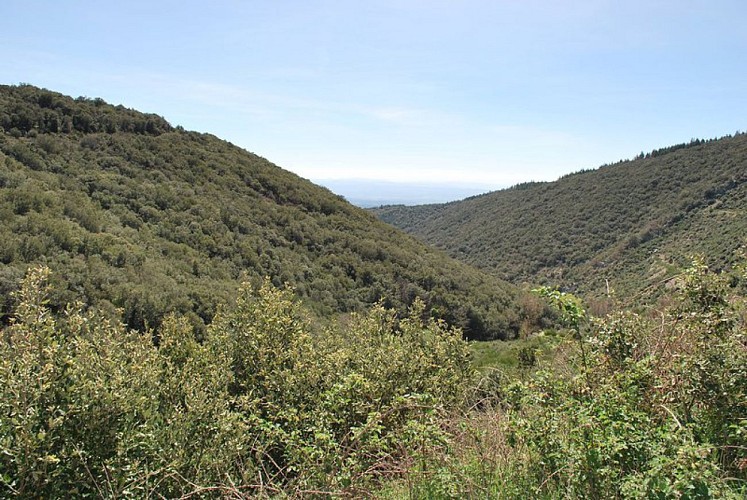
649 405
634 405
260 405
165 356
134 214
629 225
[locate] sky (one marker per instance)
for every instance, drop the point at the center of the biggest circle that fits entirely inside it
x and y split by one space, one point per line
464 92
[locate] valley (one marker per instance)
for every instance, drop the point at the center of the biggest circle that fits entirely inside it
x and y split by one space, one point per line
183 318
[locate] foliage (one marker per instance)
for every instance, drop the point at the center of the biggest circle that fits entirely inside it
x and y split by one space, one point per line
655 408
624 227
260 406
660 408
569 306
135 214
192 397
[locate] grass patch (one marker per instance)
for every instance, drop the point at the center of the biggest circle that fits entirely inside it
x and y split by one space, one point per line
505 355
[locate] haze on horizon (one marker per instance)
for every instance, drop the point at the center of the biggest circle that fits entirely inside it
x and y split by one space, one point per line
479 93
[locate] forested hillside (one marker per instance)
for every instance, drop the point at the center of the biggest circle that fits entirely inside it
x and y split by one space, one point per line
132 213
630 224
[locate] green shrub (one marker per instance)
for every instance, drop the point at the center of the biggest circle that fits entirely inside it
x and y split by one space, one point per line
657 407
328 409
261 405
634 405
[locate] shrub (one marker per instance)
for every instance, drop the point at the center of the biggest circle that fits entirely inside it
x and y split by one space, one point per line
261 405
658 405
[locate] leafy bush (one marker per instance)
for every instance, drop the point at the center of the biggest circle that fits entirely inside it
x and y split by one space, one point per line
334 407
633 405
658 405
263 404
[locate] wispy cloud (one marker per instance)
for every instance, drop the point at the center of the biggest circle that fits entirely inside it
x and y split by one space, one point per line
412 117
540 137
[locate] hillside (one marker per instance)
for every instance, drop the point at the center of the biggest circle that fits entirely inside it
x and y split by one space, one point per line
132 213
630 224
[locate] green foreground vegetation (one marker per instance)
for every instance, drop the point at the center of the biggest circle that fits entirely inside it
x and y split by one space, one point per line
634 405
260 406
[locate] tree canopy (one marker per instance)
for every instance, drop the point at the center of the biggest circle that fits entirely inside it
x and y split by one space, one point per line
624 226
134 214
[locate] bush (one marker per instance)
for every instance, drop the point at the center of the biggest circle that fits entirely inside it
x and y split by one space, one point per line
330 409
262 405
658 405
630 406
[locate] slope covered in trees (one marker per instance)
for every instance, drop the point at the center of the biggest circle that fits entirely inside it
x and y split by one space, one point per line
631 224
132 213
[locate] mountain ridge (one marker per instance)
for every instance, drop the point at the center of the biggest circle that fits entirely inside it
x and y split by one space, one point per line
623 225
134 214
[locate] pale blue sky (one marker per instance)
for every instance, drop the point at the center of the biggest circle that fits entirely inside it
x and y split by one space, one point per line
488 93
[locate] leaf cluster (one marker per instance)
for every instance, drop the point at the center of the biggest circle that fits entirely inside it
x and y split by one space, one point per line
631 405
656 406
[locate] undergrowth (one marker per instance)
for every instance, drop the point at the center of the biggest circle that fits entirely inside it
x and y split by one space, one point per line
646 404
633 405
261 406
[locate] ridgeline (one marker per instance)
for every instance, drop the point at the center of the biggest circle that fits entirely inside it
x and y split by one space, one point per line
133 214
626 226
